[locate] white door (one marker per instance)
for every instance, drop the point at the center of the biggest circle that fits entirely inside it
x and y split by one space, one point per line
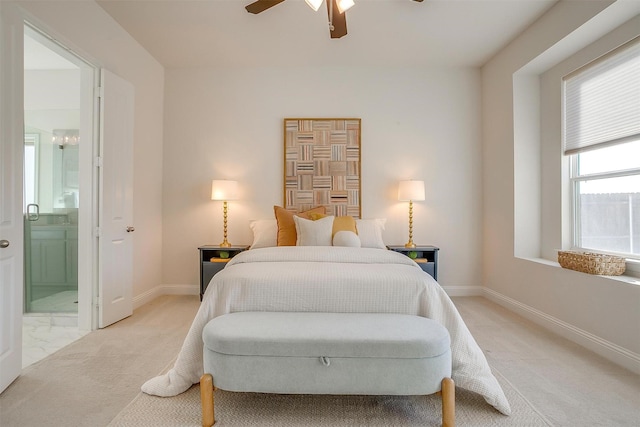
116 200
11 225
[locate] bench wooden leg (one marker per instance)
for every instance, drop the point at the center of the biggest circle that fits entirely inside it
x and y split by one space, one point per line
448 403
206 397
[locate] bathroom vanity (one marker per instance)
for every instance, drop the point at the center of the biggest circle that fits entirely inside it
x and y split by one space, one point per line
52 256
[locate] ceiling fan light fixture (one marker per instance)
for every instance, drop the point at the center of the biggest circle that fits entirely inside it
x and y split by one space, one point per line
344 5
314 4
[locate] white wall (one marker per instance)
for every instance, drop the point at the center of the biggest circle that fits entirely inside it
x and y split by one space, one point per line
416 123
92 33
52 90
600 313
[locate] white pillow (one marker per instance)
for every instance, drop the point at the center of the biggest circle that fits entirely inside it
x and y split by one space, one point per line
346 238
265 233
313 233
370 232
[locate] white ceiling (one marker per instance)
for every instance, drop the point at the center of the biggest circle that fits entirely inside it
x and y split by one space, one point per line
210 33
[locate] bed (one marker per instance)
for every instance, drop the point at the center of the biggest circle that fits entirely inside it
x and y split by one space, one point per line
330 279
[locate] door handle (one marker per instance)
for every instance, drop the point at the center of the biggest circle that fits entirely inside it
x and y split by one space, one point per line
4 244
130 229
35 215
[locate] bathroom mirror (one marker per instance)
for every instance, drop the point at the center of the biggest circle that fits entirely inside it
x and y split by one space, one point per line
51 169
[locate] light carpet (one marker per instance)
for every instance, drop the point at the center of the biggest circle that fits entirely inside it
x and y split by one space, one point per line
256 409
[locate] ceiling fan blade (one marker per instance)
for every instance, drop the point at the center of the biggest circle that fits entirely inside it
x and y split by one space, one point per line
339 21
261 5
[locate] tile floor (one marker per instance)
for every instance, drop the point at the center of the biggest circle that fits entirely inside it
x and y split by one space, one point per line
44 334
61 302
47 332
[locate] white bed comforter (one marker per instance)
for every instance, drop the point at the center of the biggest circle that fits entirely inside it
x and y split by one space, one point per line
330 279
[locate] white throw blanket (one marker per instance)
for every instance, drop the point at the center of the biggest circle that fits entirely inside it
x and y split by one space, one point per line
330 279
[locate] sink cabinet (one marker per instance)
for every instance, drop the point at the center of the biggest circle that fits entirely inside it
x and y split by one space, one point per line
52 265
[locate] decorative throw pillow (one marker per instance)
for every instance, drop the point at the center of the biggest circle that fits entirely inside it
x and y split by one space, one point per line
313 216
346 238
313 233
344 223
286 227
370 232
265 233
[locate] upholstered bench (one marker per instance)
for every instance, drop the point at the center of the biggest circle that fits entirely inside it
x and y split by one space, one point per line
326 353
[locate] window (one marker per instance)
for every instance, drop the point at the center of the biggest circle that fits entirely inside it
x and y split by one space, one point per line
602 136
31 148
606 196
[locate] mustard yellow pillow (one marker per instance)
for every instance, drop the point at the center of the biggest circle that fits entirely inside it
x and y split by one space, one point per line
287 235
344 223
314 216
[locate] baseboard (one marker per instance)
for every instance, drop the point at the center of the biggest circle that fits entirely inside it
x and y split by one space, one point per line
464 291
613 352
154 293
180 289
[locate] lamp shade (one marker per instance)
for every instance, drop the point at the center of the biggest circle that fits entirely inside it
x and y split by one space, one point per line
344 5
411 191
314 4
222 189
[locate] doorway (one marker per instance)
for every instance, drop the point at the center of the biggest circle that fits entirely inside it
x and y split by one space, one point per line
58 188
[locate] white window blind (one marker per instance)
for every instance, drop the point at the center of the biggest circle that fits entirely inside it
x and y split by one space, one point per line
602 100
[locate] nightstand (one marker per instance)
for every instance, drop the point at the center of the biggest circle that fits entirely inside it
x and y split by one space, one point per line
211 262
426 257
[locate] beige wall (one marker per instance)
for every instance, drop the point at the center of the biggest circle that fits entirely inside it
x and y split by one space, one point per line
599 313
416 123
89 31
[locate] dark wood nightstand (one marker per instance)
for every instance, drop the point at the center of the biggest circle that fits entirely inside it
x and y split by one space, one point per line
212 261
426 257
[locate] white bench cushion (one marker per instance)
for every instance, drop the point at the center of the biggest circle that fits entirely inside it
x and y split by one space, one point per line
326 353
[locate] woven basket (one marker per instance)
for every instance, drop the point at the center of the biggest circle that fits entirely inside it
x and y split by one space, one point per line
606 265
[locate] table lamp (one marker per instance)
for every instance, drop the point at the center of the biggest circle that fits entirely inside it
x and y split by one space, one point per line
224 190
410 191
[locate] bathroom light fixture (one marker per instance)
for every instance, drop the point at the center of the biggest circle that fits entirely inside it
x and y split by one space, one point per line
224 190
410 191
64 137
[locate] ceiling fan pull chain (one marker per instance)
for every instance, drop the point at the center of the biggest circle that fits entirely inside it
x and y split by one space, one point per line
331 28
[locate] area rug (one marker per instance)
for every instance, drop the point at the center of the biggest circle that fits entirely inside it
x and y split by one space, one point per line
272 410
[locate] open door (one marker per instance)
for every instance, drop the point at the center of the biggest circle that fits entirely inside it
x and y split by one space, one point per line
116 200
11 226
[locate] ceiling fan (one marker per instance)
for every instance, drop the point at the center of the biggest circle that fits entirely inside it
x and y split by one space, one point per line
335 10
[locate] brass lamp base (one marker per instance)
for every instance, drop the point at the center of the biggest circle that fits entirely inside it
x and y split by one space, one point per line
225 243
410 243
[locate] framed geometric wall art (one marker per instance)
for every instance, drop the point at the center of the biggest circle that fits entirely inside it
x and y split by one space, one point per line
322 165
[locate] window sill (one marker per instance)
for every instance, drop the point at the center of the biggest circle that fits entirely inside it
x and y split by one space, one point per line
631 276
633 268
